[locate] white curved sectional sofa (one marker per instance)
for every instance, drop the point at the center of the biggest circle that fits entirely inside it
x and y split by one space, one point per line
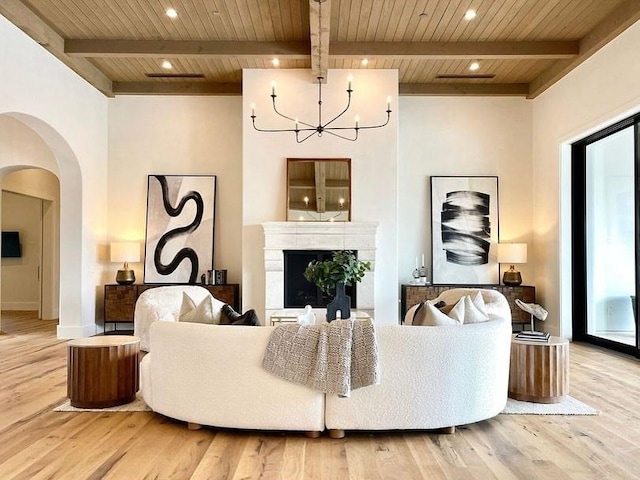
431 378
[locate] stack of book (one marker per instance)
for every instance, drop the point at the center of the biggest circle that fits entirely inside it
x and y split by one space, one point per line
533 336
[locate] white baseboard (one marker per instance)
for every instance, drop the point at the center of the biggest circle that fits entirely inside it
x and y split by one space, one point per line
76 331
21 306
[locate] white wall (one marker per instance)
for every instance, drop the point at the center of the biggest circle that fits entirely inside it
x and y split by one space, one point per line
71 117
463 136
374 165
601 91
175 136
438 136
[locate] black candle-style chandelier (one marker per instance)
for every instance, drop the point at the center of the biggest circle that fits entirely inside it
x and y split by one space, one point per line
304 130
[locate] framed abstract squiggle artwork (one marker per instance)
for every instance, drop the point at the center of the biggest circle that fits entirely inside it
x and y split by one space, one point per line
180 228
464 230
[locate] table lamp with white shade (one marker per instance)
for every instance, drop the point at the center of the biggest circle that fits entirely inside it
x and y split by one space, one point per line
125 252
512 253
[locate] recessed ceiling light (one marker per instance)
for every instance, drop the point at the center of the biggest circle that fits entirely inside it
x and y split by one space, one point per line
275 62
166 64
474 66
171 13
364 62
469 14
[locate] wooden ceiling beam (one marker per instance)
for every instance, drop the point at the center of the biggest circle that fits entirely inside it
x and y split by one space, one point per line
184 48
30 23
177 88
405 89
321 183
454 89
442 50
319 18
301 49
613 25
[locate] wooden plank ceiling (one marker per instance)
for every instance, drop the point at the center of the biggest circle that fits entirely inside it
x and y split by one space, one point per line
522 46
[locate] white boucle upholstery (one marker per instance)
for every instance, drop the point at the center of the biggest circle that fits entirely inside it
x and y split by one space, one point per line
434 377
213 375
163 304
431 377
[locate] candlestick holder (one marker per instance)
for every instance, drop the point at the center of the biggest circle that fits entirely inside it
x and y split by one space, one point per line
422 271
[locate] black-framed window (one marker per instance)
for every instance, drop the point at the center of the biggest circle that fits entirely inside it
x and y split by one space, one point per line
585 223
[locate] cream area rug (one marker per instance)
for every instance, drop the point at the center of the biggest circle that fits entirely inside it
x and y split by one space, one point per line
568 406
137 405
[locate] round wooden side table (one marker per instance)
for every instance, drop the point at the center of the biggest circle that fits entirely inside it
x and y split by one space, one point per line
103 371
539 371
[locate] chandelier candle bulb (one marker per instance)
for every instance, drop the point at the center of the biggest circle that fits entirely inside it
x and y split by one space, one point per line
357 119
349 80
388 104
253 109
273 87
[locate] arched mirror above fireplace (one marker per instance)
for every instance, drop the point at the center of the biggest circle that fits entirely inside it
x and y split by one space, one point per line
319 189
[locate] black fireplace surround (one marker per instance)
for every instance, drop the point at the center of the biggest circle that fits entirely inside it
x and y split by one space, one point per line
298 292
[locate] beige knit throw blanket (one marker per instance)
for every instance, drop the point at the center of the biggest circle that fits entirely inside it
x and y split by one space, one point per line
334 357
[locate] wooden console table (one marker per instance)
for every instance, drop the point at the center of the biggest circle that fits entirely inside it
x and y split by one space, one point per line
120 300
413 294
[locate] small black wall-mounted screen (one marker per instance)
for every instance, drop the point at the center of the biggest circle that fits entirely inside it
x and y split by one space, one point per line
11 245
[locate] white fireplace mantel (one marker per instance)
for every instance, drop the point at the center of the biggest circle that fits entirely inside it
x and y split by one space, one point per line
280 236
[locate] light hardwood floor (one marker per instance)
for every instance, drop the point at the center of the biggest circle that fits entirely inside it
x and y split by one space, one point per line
38 443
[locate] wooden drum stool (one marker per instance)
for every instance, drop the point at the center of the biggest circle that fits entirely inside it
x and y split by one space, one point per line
539 371
103 371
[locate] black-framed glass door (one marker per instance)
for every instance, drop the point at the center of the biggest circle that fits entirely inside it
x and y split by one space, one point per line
605 213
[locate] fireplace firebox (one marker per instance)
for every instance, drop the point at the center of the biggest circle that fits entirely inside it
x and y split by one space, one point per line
298 292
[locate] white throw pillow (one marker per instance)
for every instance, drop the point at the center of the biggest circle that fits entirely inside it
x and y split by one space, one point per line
434 317
201 313
472 314
478 301
458 311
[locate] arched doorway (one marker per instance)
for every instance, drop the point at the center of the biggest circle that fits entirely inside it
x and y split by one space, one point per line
27 142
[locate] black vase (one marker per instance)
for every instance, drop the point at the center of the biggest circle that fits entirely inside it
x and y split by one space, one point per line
341 302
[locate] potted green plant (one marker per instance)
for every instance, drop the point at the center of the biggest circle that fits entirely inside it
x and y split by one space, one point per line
343 268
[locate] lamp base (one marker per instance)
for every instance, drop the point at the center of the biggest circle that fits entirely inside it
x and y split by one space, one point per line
125 277
512 278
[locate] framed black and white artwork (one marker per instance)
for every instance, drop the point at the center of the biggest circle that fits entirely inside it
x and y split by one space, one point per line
180 226
464 230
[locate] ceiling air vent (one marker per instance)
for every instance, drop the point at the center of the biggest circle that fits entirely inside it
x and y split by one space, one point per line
175 75
467 77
